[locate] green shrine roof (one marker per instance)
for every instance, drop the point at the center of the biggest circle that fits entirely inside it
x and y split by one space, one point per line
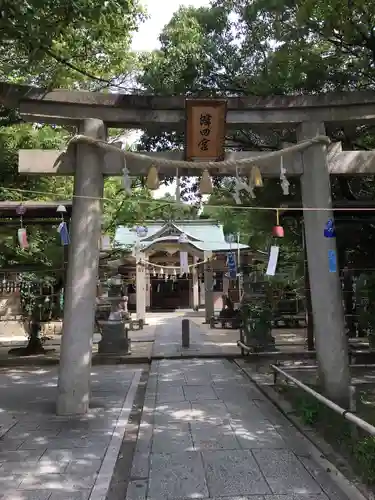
205 235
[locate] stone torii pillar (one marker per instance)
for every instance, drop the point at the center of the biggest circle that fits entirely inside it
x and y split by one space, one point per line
81 282
326 296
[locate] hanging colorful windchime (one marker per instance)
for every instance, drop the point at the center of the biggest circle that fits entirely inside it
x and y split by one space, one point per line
63 228
22 234
330 232
329 229
278 231
232 265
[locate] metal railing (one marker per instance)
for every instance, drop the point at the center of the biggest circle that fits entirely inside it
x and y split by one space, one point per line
348 415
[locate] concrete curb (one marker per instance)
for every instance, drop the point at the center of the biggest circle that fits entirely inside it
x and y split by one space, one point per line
98 359
46 360
318 448
103 480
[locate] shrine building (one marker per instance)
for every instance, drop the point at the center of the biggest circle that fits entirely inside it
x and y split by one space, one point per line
166 287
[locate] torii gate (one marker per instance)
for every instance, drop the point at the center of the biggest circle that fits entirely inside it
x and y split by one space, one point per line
92 112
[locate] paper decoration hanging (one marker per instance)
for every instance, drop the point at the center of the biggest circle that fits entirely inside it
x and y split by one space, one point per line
232 266
105 242
239 186
184 265
126 181
207 255
332 261
283 180
64 233
329 229
22 234
272 262
22 238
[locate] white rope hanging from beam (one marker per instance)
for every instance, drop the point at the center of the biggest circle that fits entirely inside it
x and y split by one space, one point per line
201 165
146 263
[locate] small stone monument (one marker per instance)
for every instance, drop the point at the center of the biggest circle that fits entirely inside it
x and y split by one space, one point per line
256 314
113 330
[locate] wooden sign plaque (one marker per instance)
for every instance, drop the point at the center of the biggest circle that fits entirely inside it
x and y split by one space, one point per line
205 129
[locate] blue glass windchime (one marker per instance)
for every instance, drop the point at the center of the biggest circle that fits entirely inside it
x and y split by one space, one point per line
232 266
329 229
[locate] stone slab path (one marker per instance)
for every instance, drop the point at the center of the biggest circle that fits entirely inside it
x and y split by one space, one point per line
45 457
207 432
203 340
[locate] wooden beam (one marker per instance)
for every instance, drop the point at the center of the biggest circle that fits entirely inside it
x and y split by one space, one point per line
40 162
143 111
34 209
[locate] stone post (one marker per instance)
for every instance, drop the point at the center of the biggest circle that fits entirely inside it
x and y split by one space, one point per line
185 333
326 295
141 289
195 285
82 274
209 293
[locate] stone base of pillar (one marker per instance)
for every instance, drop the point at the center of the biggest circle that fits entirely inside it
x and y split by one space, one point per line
114 338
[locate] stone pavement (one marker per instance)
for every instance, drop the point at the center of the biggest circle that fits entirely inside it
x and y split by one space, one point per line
45 457
207 432
160 337
203 340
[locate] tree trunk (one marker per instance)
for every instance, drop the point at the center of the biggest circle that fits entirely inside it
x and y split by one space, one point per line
34 346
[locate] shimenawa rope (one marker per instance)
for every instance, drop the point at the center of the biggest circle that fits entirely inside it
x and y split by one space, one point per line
201 165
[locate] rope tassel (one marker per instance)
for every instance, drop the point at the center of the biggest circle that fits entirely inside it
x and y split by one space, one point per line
153 181
256 177
205 185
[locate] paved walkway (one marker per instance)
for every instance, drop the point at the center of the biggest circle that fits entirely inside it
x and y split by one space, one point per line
207 432
45 457
203 339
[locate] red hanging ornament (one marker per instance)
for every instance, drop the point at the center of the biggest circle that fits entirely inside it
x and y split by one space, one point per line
278 231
